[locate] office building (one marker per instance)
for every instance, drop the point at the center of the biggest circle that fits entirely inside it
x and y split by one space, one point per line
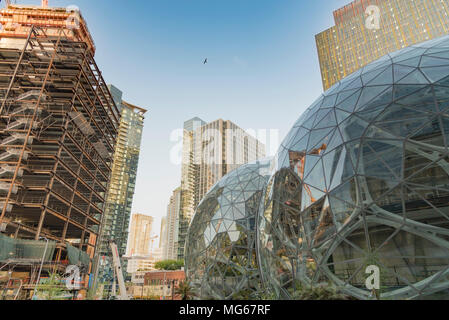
115 222
170 250
140 237
367 30
210 151
163 235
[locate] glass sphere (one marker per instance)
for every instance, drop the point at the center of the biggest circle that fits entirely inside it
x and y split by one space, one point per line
362 181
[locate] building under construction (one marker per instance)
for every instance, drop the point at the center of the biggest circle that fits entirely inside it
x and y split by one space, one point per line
58 129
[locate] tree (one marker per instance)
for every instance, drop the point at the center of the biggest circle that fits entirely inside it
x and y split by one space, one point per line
53 289
185 290
322 291
169 265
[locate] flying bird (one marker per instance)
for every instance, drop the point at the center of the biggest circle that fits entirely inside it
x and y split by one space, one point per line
205 61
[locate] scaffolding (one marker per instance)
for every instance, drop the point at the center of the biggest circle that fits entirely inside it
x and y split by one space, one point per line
58 127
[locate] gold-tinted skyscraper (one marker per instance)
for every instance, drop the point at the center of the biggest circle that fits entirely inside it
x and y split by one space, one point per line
366 30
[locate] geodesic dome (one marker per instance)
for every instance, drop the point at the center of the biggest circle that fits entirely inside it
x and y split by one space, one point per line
362 179
220 248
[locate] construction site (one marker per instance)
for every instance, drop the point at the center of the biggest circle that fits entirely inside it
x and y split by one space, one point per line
58 130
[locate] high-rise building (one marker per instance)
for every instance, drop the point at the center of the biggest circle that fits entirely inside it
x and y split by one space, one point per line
170 249
58 130
210 151
140 235
367 30
163 234
115 223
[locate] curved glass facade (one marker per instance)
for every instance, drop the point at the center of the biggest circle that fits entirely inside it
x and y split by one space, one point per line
220 249
363 180
360 182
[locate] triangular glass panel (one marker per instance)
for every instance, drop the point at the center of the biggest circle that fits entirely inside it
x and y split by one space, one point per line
435 73
316 177
334 170
335 141
443 82
301 145
416 77
385 97
320 115
370 93
357 83
413 52
400 72
386 77
329 101
310 163
367 77
421 101
353 149
330 162
398 112
350 103
342 115
403 128
377 65
343 202
433 62
389 152
430 133
345 94
319 137
436 52
369 114
378 133
309 196
328 121
402 90
353 128
412 62
333 89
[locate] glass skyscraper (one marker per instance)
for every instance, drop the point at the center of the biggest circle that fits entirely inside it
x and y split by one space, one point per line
367 30
121 190
210 151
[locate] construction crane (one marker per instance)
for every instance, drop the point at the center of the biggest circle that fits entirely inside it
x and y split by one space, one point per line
118 274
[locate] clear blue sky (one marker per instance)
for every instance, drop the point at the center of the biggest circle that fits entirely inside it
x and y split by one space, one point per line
263 69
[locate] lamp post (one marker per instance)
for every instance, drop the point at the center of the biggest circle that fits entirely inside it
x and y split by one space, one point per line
40 269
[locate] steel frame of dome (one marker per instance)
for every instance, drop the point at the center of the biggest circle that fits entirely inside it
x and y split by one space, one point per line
221 243
363 179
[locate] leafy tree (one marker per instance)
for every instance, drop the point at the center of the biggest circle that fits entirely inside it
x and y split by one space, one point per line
322 291
169 265
53 289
